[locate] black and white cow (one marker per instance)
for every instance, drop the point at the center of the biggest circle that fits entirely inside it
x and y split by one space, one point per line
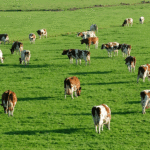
77 54
126 49
94 27
18 46
4 38
25 56
32 37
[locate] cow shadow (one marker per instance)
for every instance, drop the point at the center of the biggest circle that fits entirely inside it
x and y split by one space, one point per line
29 132
96 72
133 102
35 98
100 57
125 112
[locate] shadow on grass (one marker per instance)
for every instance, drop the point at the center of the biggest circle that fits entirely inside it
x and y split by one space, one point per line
29 132
97 72
101 57
100 83
124 113
35 98
133 102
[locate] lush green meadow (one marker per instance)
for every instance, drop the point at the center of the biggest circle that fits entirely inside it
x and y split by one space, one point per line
43 119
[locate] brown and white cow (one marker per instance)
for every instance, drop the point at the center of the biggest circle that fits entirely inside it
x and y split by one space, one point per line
126 49
32 37
111 47
89 41
4 38
78 55
42 32
9 100
1 57
128 21
25 56
18 46
101 116
130 62
145 100
141 20
72 84
94 27
143 72
86 34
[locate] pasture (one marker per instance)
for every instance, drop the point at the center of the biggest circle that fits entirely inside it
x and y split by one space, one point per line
43 119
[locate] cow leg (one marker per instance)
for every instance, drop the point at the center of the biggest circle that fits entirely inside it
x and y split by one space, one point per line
99 128
72 93
65 93
80 61
76 61
96 128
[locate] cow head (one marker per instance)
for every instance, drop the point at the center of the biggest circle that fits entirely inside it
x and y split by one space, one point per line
79 91
20 60
124 23
65 52
82 41
103 46
12 51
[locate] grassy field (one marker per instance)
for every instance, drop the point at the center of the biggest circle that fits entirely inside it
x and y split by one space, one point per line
57 4
43 119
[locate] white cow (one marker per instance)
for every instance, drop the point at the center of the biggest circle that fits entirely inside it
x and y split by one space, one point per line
141 20
42 32
32 37
25 56
101 115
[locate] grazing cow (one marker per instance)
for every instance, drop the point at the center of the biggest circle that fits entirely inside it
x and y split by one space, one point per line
126 49
141 20
101 115
111 47
143 72
89 41
18 46
86 34
1 57
94 27
4 38
42 32
32 37
9 101
72 84
77 54
25 56
145 100
130 62
127 22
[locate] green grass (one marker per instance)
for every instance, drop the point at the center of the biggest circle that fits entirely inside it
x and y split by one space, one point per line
43 119
57 4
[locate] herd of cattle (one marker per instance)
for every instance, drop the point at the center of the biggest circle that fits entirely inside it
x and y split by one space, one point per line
101 114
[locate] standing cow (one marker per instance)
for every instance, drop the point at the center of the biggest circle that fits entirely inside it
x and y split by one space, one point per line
25 56
72 84
4 38
9 100
42 32
18 46
128 21
143 72
101 115
126 49
141 20
32 37
130 62
94 27
145 100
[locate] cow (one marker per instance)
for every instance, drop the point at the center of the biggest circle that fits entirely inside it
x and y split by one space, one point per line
9 100
111 47
143 72
128 21
18 46
145 100
126 49
72 84
25 56
94 27
42 32
32 37
4 38
77 54
89 41
86 34
1 57
141 20
130 62
101 115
